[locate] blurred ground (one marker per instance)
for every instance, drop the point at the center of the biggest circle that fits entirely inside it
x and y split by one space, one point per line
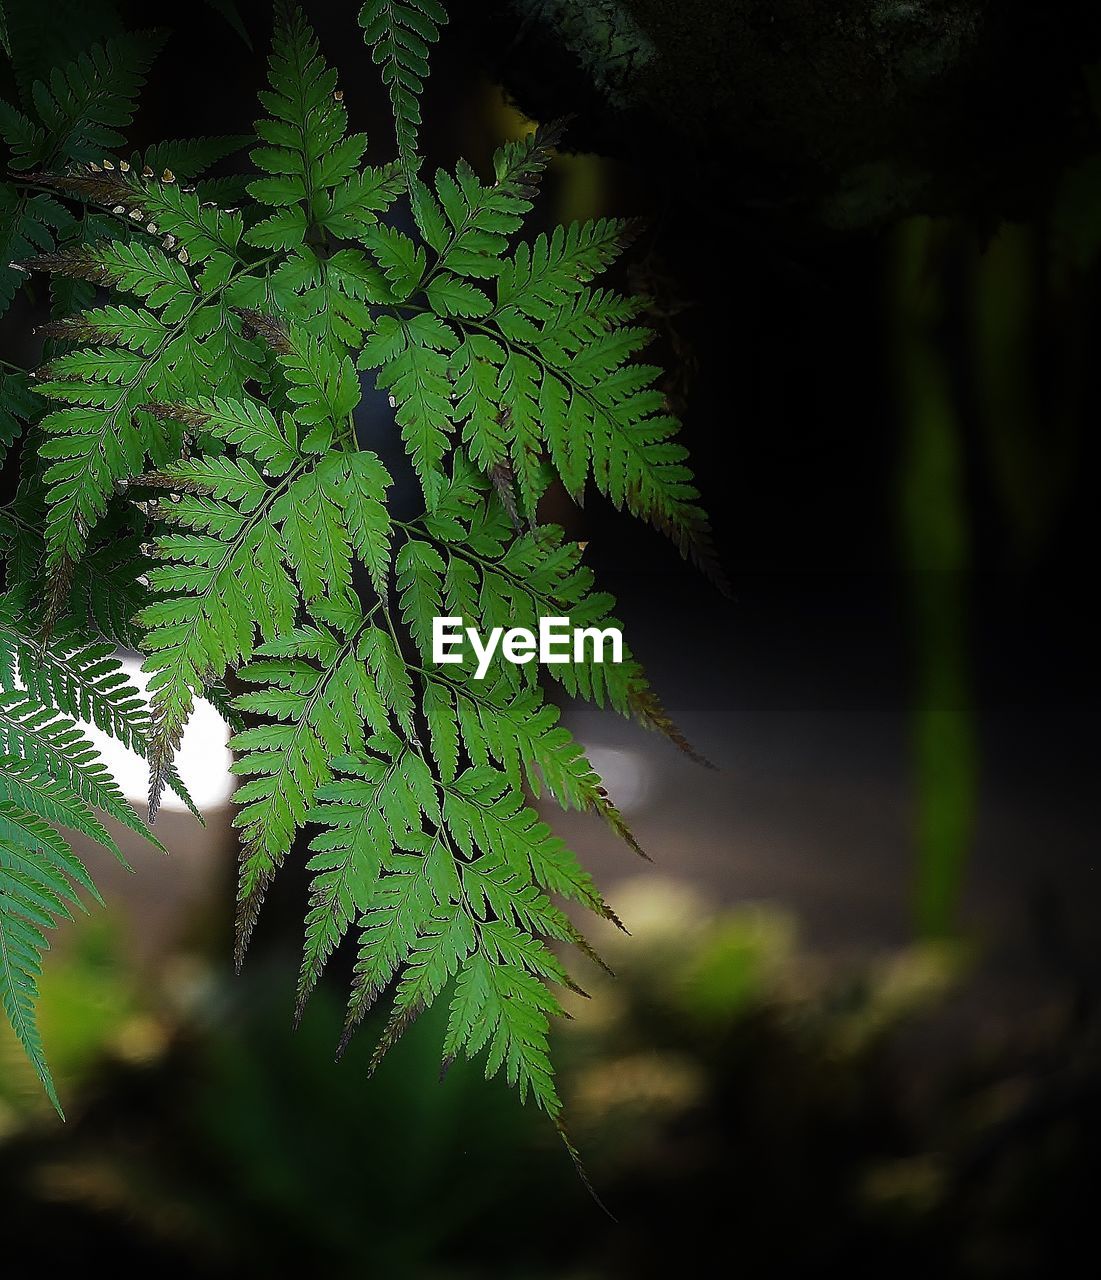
798 691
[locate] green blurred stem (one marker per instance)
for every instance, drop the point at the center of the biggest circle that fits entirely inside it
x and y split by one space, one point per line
934 545
1030 428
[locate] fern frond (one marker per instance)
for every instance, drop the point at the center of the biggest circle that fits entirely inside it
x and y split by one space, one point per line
188 158
316 711
18 406
55 744
81 679
369 813
314 180
258 532
108 433
29 225
542 277
466 901
50 778
80 109
402 905
103 593
84 106
35 893
29 784
521 733
503 1010
399 36
194 485
483 811
107 589
472 232
600 415
416 376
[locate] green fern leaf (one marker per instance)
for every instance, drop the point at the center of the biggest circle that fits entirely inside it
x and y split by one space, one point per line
399 36
49 778
193 483
481 217
81 679
348 860
403 905
81 108
314 179
55 744
316 712
417 380
502 1009
18 406
84 105
188 157
261 537
543 277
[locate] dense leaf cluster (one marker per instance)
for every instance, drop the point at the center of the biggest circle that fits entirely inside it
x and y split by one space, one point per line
196 483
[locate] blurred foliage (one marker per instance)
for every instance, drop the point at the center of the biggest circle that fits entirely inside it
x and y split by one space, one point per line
989 364
727 1086
602 35
92 1005
936 558
1029 442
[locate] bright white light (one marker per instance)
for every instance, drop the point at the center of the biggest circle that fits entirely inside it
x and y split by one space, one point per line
203 759
625 774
